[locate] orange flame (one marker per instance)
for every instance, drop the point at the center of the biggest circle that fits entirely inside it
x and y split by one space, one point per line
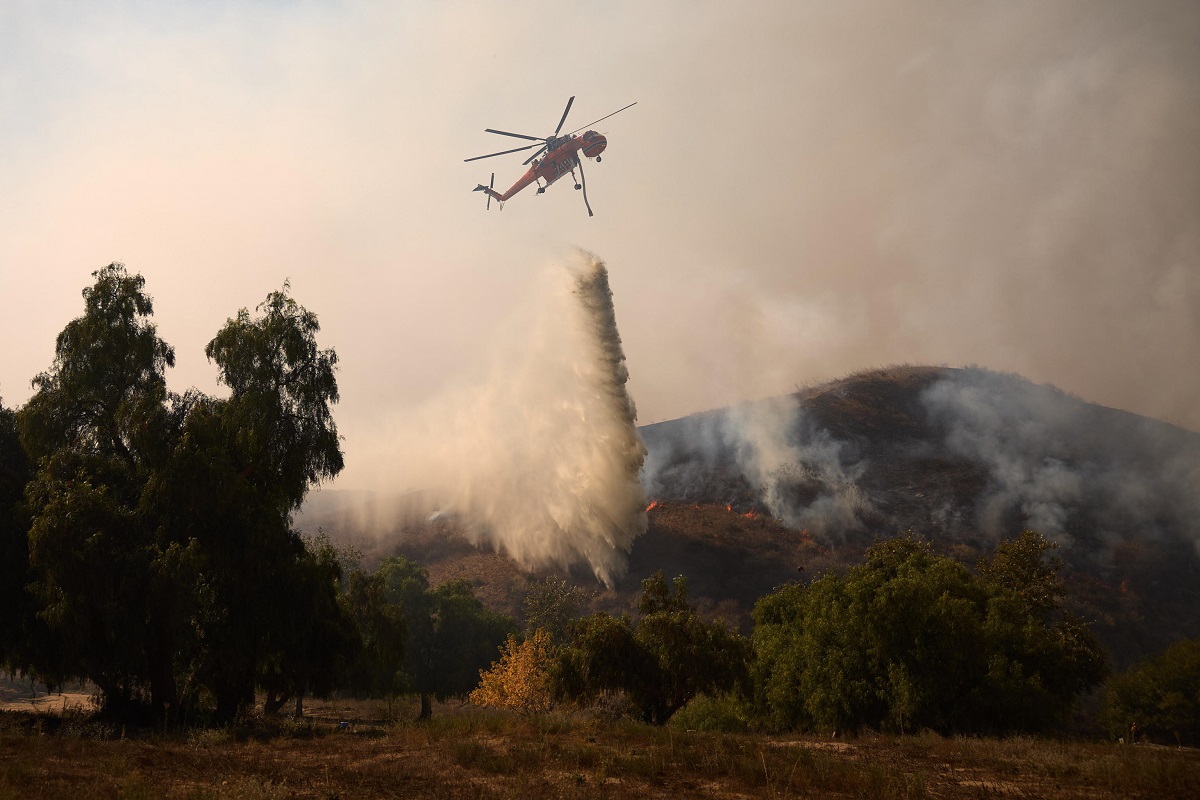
653 505
729 506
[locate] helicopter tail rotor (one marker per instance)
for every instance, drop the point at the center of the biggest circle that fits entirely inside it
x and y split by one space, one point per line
488 190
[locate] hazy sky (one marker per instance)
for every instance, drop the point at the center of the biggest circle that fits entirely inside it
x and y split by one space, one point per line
803 190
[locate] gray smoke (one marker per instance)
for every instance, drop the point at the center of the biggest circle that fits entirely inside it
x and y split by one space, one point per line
538 456
977 453
764 452
1013 183
1067 468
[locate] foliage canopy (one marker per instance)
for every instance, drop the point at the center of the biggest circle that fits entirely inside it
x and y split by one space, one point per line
912 640
660 661
1161 695
160 546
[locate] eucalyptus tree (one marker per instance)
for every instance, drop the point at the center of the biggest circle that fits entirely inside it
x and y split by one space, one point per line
267 607
160 540
105 393
19 625
98 426
282 386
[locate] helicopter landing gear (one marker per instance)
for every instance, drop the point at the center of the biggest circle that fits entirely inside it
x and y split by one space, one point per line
541 190
578 186
597 159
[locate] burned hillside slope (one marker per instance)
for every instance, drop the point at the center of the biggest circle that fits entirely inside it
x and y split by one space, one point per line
962 453
963 457
748 498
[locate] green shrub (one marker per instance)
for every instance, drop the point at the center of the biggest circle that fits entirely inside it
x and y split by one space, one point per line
722 713
1161 695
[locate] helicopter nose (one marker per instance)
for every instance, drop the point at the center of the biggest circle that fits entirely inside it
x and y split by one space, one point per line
596 144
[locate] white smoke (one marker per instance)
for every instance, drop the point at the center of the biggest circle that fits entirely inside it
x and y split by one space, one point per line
537 457
802 471
803 475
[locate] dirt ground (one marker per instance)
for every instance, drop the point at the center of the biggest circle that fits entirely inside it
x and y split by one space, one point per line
345 749
17 694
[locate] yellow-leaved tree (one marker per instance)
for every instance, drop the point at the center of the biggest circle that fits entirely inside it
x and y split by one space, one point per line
520 680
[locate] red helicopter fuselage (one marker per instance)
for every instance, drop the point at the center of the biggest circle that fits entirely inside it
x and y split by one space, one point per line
555 156
560 160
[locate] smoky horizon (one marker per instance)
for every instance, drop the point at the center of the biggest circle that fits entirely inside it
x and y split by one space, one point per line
838 186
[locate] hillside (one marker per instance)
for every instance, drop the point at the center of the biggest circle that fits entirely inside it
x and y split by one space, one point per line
747 498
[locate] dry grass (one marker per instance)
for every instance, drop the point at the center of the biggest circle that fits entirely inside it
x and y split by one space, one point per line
478 755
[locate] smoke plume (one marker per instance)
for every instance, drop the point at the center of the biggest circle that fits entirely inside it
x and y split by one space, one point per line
960 452
1069 469
538 457
765 452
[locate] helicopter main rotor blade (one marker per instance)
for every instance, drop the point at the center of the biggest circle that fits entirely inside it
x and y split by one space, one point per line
590 124
566 111
518 135
501 153
535 155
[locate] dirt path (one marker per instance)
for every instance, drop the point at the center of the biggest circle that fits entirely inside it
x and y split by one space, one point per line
15 696
49 703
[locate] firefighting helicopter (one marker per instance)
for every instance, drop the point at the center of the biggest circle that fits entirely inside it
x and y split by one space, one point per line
561 157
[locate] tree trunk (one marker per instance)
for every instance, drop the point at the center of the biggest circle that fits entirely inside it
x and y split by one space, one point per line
229 700
275 701
426 706
164 692
299 704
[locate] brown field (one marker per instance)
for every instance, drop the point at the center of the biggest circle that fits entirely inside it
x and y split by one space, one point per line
464 753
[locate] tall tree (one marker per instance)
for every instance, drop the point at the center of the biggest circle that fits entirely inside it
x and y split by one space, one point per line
376 668
160 534
106 391
451 635
282 386
98 426
244 465
23 639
